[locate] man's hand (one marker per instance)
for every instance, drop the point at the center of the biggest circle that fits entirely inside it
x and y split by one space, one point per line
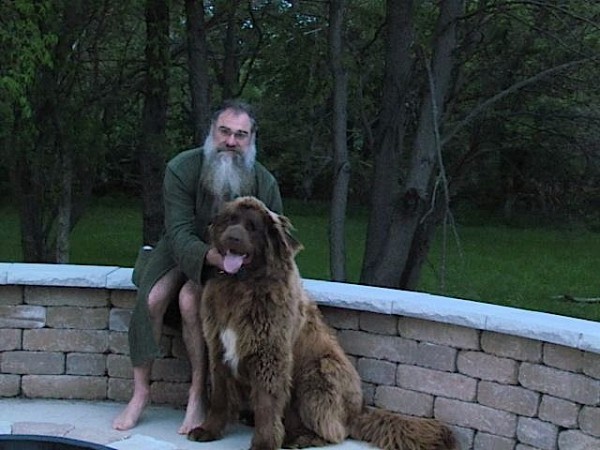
214 258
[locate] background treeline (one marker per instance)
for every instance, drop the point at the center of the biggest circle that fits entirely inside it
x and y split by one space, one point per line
411 109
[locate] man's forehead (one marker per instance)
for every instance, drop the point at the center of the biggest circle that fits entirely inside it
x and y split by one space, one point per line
236 121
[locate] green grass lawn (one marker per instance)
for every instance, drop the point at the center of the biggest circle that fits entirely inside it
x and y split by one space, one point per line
525 268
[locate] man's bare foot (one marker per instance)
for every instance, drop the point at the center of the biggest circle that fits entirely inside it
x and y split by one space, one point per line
194 416
131 414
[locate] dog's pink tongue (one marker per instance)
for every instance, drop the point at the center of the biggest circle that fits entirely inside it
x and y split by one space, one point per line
232 262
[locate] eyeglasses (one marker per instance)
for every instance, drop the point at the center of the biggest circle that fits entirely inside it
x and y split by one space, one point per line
239 135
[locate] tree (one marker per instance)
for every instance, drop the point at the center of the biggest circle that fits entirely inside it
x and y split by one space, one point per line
341 165
50 180
401 228
153 144
198 68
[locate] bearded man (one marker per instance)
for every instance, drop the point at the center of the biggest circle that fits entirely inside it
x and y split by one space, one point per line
196 184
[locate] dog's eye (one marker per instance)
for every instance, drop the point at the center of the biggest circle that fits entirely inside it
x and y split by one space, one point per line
250 225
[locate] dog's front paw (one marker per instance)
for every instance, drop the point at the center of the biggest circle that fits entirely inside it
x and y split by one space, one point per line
200 434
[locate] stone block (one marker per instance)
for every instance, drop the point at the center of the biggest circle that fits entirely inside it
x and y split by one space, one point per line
75 317
10 339
176 347
123 299
559 383
10 385
537 433
119 366
86 364
389 348
438 333
118 342
404 401
562 357
22 316
435 356
11 295
30 363
591 365
513 347
452 385
171 369
485 441
120 389
481 418
589 420
488 367
377 371
559 412
64 386
86 341
513 399
576 440
340 318
66 296
119 319
378 323
465 437
368 390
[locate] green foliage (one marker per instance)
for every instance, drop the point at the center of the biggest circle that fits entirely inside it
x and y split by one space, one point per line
26 47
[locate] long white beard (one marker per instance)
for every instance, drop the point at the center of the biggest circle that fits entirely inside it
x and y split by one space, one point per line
228 174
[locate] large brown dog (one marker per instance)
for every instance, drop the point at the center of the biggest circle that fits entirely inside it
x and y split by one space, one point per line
269 346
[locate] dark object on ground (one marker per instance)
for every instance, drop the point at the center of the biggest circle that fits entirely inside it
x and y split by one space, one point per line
39 442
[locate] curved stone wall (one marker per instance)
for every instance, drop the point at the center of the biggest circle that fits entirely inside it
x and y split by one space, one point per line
503 378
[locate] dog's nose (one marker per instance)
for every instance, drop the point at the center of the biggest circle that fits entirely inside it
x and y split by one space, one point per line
234 234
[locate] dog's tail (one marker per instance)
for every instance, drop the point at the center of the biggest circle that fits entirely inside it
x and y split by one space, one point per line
391 431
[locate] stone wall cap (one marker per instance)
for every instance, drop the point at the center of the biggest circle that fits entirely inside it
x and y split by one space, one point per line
120 279
4 269
68 275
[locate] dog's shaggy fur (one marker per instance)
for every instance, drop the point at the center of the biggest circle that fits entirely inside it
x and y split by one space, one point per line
270 348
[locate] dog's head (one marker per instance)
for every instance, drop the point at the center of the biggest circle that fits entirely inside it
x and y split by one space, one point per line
249 235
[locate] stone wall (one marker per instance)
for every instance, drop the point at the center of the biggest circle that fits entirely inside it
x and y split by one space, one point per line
503 378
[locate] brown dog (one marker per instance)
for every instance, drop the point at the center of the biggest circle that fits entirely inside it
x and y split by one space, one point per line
269 346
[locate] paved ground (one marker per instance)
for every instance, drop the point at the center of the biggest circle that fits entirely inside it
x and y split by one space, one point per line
91 422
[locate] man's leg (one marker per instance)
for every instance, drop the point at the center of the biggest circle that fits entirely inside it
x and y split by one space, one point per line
189 305
158 299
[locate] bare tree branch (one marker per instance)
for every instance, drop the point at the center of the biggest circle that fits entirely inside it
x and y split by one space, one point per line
515 87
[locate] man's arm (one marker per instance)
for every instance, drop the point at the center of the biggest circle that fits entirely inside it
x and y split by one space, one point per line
188 250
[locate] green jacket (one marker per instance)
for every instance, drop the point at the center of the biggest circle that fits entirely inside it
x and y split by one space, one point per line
188 211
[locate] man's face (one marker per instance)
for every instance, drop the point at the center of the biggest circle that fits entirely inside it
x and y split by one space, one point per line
230 153
232 132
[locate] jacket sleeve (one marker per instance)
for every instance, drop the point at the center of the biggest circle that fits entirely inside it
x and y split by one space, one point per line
187 249
273 201
269 193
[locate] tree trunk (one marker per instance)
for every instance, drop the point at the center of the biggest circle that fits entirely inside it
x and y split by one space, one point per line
341 165
151 154
65 209
198 69
389 134
416 197
230 60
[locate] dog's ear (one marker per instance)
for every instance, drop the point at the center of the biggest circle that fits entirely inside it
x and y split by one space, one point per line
294 244
280 230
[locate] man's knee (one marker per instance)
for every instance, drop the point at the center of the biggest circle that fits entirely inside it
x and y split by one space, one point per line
162 292
189 301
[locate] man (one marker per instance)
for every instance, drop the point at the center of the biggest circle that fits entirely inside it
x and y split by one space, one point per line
196 183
